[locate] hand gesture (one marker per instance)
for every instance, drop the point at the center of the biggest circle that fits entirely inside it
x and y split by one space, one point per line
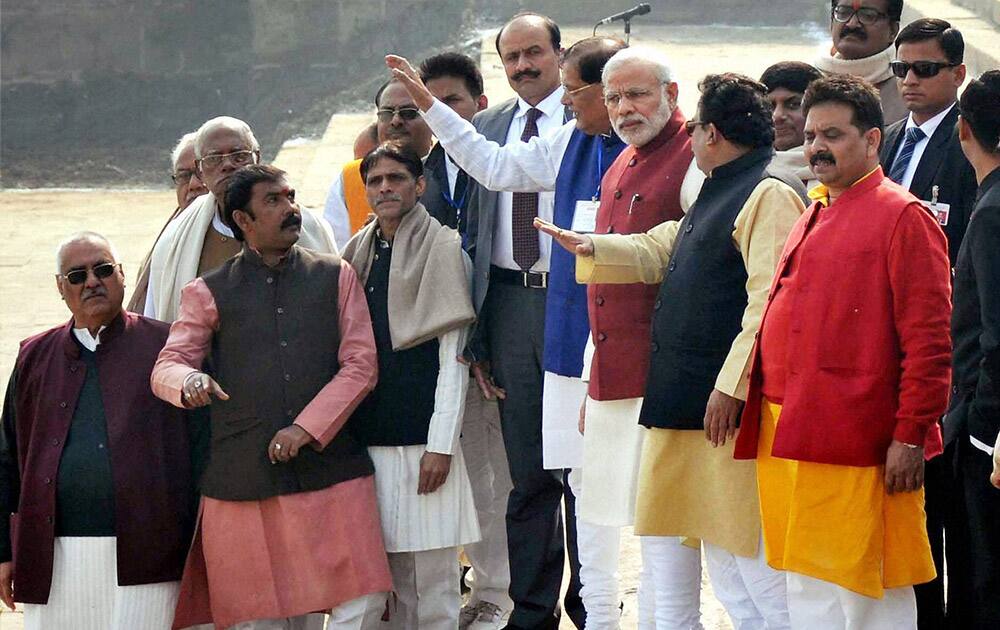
434 469
7 584
409 79
904 468
721 414
199 388
286 443
484 379
576 244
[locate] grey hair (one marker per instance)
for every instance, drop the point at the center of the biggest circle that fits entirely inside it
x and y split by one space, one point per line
186 142
224 122
657 60
85 236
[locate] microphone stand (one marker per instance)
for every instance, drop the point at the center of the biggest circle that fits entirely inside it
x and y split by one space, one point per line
628 28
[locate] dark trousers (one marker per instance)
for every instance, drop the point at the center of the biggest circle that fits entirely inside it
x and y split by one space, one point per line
939 480
514 317
973 541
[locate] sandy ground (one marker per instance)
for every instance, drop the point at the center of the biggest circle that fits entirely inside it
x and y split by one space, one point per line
33 222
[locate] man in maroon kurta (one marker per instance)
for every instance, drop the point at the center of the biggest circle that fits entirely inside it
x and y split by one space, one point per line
288 496
92 465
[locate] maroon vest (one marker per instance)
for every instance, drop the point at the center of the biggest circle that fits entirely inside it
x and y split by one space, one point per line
639 191
147 442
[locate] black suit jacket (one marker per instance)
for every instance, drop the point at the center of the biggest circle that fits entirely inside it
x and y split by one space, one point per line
975 324
943 165
436 176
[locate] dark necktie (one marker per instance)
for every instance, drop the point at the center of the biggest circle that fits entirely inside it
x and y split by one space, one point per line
913 136
458 197
525 209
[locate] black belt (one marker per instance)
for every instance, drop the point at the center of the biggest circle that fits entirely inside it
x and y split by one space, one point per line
526 279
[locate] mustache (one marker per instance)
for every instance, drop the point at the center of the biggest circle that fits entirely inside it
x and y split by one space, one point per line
850 30
388 197
89 293
534 74
822 155
291 220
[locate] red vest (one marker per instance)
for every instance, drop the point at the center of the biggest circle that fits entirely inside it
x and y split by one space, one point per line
147 442
868 346
640 190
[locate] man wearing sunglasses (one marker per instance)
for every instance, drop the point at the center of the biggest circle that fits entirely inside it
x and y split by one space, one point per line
923 154
863 32
199 240
95 469
398 121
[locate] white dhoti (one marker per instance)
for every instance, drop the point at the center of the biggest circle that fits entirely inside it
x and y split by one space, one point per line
85 594
419 522
817 605
562 444
612 446
427 590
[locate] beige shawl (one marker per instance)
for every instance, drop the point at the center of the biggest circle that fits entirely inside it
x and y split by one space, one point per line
874 69
175 257
794 161
429 291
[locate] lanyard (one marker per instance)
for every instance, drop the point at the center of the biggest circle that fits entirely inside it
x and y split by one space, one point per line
597 173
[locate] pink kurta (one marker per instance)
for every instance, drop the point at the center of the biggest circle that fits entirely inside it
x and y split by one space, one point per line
293 554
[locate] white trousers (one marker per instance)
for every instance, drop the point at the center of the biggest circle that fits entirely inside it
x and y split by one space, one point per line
752 592
675 574
819 605
486 463
598 549
300 622
85 594
427 590
362 613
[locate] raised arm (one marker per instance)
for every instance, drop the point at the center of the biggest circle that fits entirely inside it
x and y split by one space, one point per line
516 167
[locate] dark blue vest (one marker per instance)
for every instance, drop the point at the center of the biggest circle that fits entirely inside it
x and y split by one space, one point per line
699 309
566 324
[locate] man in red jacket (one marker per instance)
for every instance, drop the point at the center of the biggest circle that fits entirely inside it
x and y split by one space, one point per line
849 377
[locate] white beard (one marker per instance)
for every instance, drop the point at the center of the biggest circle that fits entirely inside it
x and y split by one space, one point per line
649 129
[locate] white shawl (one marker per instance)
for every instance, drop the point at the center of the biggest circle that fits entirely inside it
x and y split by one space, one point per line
175 258
874 69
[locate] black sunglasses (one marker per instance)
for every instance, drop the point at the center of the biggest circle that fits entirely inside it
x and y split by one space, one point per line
923 69
866 15
79 276
386 114
691 124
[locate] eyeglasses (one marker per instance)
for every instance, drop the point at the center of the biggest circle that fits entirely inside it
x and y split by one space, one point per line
923 69
79 276
386 114
613 99
238 158
182 176
866 15
576 91
691 124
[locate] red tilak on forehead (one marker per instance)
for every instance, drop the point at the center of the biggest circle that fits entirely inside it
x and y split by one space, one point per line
856 4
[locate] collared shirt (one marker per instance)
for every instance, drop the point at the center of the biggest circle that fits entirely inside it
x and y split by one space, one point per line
928 128
88 341
821 193
503 243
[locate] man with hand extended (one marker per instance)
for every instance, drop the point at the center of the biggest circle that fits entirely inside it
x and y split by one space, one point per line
293 356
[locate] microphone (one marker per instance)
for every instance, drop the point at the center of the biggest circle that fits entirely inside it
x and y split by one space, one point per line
641 9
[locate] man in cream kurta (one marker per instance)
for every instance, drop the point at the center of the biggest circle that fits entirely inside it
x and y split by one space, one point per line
714 268
416 280
198 240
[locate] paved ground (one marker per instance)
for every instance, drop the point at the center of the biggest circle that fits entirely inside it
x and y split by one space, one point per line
33 222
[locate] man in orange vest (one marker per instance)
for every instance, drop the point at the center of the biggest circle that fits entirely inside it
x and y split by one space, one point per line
399 122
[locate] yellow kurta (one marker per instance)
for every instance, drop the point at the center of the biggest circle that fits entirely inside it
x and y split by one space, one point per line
836 523
686 487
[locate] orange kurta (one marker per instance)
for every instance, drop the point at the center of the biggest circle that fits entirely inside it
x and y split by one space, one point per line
836 523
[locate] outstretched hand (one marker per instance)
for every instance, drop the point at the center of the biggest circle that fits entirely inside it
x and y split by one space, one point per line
410 79
576 244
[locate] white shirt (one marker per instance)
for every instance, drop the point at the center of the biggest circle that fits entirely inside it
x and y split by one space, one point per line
88 341
335 212
928 128
503 238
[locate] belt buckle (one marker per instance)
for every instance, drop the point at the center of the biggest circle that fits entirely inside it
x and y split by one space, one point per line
526 280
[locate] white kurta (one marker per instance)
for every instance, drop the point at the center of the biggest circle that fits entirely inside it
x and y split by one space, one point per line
447 516
85 594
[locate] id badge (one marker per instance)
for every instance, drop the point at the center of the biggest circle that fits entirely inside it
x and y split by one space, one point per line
939 211
585 216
